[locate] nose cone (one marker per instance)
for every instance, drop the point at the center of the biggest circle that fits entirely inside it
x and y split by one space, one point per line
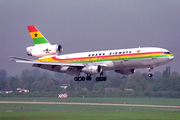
171 57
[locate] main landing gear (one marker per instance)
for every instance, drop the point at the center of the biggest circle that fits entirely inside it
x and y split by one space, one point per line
82 78
101 78
88 78
79 78
150 72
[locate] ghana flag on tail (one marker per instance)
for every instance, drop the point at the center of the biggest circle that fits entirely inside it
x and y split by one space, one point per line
37 37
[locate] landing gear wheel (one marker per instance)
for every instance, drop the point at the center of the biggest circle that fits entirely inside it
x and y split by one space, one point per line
104 78
97 78
82 78
150 75
76 78
88 78
79 78
101 79
150 72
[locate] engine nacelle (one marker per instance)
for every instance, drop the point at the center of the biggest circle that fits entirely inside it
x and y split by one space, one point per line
125 72
92 69
42 51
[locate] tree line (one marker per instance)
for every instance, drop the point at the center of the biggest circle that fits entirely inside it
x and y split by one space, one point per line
165 84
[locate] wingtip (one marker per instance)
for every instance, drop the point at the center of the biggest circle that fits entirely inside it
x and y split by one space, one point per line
12 60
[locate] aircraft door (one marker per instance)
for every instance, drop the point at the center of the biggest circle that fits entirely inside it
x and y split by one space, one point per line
121 64
94 59
126 61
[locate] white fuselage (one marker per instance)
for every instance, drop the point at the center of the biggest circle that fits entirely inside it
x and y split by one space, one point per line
120 59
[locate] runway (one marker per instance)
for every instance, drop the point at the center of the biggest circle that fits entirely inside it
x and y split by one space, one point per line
102 104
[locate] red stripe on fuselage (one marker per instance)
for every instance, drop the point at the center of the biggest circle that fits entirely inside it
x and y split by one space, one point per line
54 57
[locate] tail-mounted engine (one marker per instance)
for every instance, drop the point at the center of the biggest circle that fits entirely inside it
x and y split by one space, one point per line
45 50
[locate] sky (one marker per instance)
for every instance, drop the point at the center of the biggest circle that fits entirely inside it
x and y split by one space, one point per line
89 25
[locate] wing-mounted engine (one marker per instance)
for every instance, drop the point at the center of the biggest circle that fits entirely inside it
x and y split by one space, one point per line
44 50
92 69
125 72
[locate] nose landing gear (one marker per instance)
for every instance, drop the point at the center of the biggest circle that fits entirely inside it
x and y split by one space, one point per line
150 72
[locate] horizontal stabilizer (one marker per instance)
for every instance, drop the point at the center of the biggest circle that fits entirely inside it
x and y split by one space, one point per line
19 58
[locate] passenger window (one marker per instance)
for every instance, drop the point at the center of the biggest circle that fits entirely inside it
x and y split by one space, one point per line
120 52
110 53
92 54
89 55
99 54
116 53
123 52
103 53
129 52
126 52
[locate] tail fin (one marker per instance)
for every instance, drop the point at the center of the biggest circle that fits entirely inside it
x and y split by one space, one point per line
37 37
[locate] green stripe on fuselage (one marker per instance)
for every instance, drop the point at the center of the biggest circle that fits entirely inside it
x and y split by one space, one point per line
41 40
128 58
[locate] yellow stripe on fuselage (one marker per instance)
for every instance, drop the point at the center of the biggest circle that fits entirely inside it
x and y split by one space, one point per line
49 59
46 60
155 54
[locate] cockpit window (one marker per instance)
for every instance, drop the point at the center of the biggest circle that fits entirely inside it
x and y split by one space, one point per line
165 53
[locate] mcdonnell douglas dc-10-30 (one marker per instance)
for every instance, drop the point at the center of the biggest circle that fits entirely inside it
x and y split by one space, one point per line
123 61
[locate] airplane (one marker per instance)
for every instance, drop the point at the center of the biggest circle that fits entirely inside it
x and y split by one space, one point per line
123 61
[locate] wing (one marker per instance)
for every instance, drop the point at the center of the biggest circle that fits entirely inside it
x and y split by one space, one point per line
69 68
34 62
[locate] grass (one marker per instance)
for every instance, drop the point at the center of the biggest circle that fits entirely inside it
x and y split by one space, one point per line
88 112
89 115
